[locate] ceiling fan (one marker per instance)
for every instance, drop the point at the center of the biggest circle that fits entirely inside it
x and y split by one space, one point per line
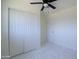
45 3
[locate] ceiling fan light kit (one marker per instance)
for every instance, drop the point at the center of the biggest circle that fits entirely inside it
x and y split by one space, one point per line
45 4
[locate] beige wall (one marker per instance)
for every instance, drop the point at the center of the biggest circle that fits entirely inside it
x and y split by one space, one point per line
43 28
62 28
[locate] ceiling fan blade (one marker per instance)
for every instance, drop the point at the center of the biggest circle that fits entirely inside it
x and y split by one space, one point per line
42 8
52 6
54 0
36 3
48 1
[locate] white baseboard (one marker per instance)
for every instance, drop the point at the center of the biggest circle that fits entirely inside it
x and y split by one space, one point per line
5 57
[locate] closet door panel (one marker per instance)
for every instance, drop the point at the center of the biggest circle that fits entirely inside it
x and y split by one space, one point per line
16 32
32 40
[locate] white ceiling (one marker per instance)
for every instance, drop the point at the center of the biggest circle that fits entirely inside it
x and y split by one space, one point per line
25 4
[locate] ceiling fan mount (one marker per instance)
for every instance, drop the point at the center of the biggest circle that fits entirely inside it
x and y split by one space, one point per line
45 3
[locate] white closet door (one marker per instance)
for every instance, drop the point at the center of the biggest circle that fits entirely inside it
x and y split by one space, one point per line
16 33
32 40
24 31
